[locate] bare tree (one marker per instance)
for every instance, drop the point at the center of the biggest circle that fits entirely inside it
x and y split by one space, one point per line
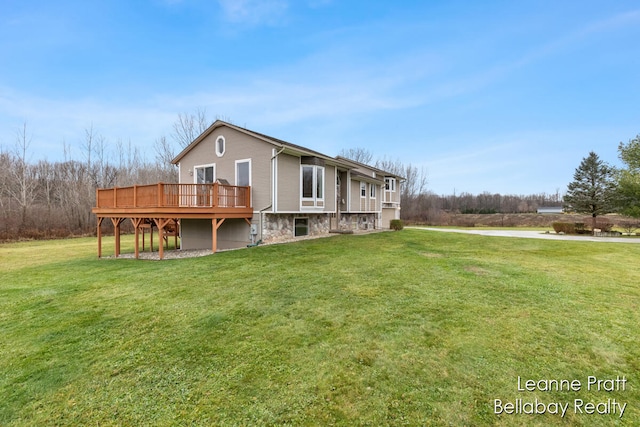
415 179
189 126
360 155
164 151
46 182
22 189
5 198
87 145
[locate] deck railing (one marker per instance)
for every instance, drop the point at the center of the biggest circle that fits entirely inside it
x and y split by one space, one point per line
174 196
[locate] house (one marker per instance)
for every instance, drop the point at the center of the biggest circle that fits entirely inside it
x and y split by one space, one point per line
295 191
239 187
550 210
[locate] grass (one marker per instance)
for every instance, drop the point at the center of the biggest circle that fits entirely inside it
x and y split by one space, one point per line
405 328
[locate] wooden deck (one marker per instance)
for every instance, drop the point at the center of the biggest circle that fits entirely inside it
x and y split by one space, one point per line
166 204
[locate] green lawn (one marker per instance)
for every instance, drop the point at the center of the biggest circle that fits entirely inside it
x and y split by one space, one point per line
405 328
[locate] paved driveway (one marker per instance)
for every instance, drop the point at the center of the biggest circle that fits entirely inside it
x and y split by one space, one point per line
532 235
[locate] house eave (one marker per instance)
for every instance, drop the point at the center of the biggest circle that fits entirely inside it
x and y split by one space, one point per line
285 146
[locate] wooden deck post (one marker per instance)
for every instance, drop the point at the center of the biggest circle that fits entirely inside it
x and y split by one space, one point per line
176 232
215 224
161 223
116 231
136 225
100 237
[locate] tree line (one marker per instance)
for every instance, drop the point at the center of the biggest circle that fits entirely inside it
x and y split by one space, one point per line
597 189
421 205
46 199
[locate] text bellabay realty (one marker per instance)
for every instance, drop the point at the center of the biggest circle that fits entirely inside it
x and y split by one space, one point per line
528 406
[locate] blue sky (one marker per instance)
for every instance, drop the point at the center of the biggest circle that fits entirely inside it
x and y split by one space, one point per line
498 96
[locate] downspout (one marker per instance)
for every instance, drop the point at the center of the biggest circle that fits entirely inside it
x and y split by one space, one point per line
273 191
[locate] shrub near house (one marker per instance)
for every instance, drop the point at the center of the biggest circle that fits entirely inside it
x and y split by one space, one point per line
602 224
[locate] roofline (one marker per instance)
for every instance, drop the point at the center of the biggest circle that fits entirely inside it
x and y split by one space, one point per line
288 147
358 164
359 176
208 131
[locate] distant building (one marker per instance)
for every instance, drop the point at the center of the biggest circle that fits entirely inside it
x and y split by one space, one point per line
550 210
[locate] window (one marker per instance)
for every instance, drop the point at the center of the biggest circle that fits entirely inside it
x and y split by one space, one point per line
243 173
390 184
313 184
319 183
301 227
220 146
372 191
205 174
363 189
307 182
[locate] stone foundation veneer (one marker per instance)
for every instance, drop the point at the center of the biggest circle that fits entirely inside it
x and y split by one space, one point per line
279 227
359 221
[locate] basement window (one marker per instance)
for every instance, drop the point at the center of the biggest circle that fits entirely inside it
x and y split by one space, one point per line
301 227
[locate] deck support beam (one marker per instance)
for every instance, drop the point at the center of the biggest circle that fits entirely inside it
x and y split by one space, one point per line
136 225
161 223
99 231
116 232
215 224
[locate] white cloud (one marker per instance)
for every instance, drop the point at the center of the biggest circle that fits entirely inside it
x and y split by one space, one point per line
254 12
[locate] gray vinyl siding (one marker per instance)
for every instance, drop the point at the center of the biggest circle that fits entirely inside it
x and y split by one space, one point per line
288 183
238 146
366 204
289 194
330 188
354 204
196 234
392 196
344 193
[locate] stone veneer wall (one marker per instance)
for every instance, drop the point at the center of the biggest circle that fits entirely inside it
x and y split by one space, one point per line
279 227
359 221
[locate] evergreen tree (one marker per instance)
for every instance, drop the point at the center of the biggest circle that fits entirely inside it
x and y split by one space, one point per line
593 190
629 178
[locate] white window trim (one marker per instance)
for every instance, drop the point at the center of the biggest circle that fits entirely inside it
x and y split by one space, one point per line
363 186
372 191
314 198
236 167
208 165
392 184
315 183
224 146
